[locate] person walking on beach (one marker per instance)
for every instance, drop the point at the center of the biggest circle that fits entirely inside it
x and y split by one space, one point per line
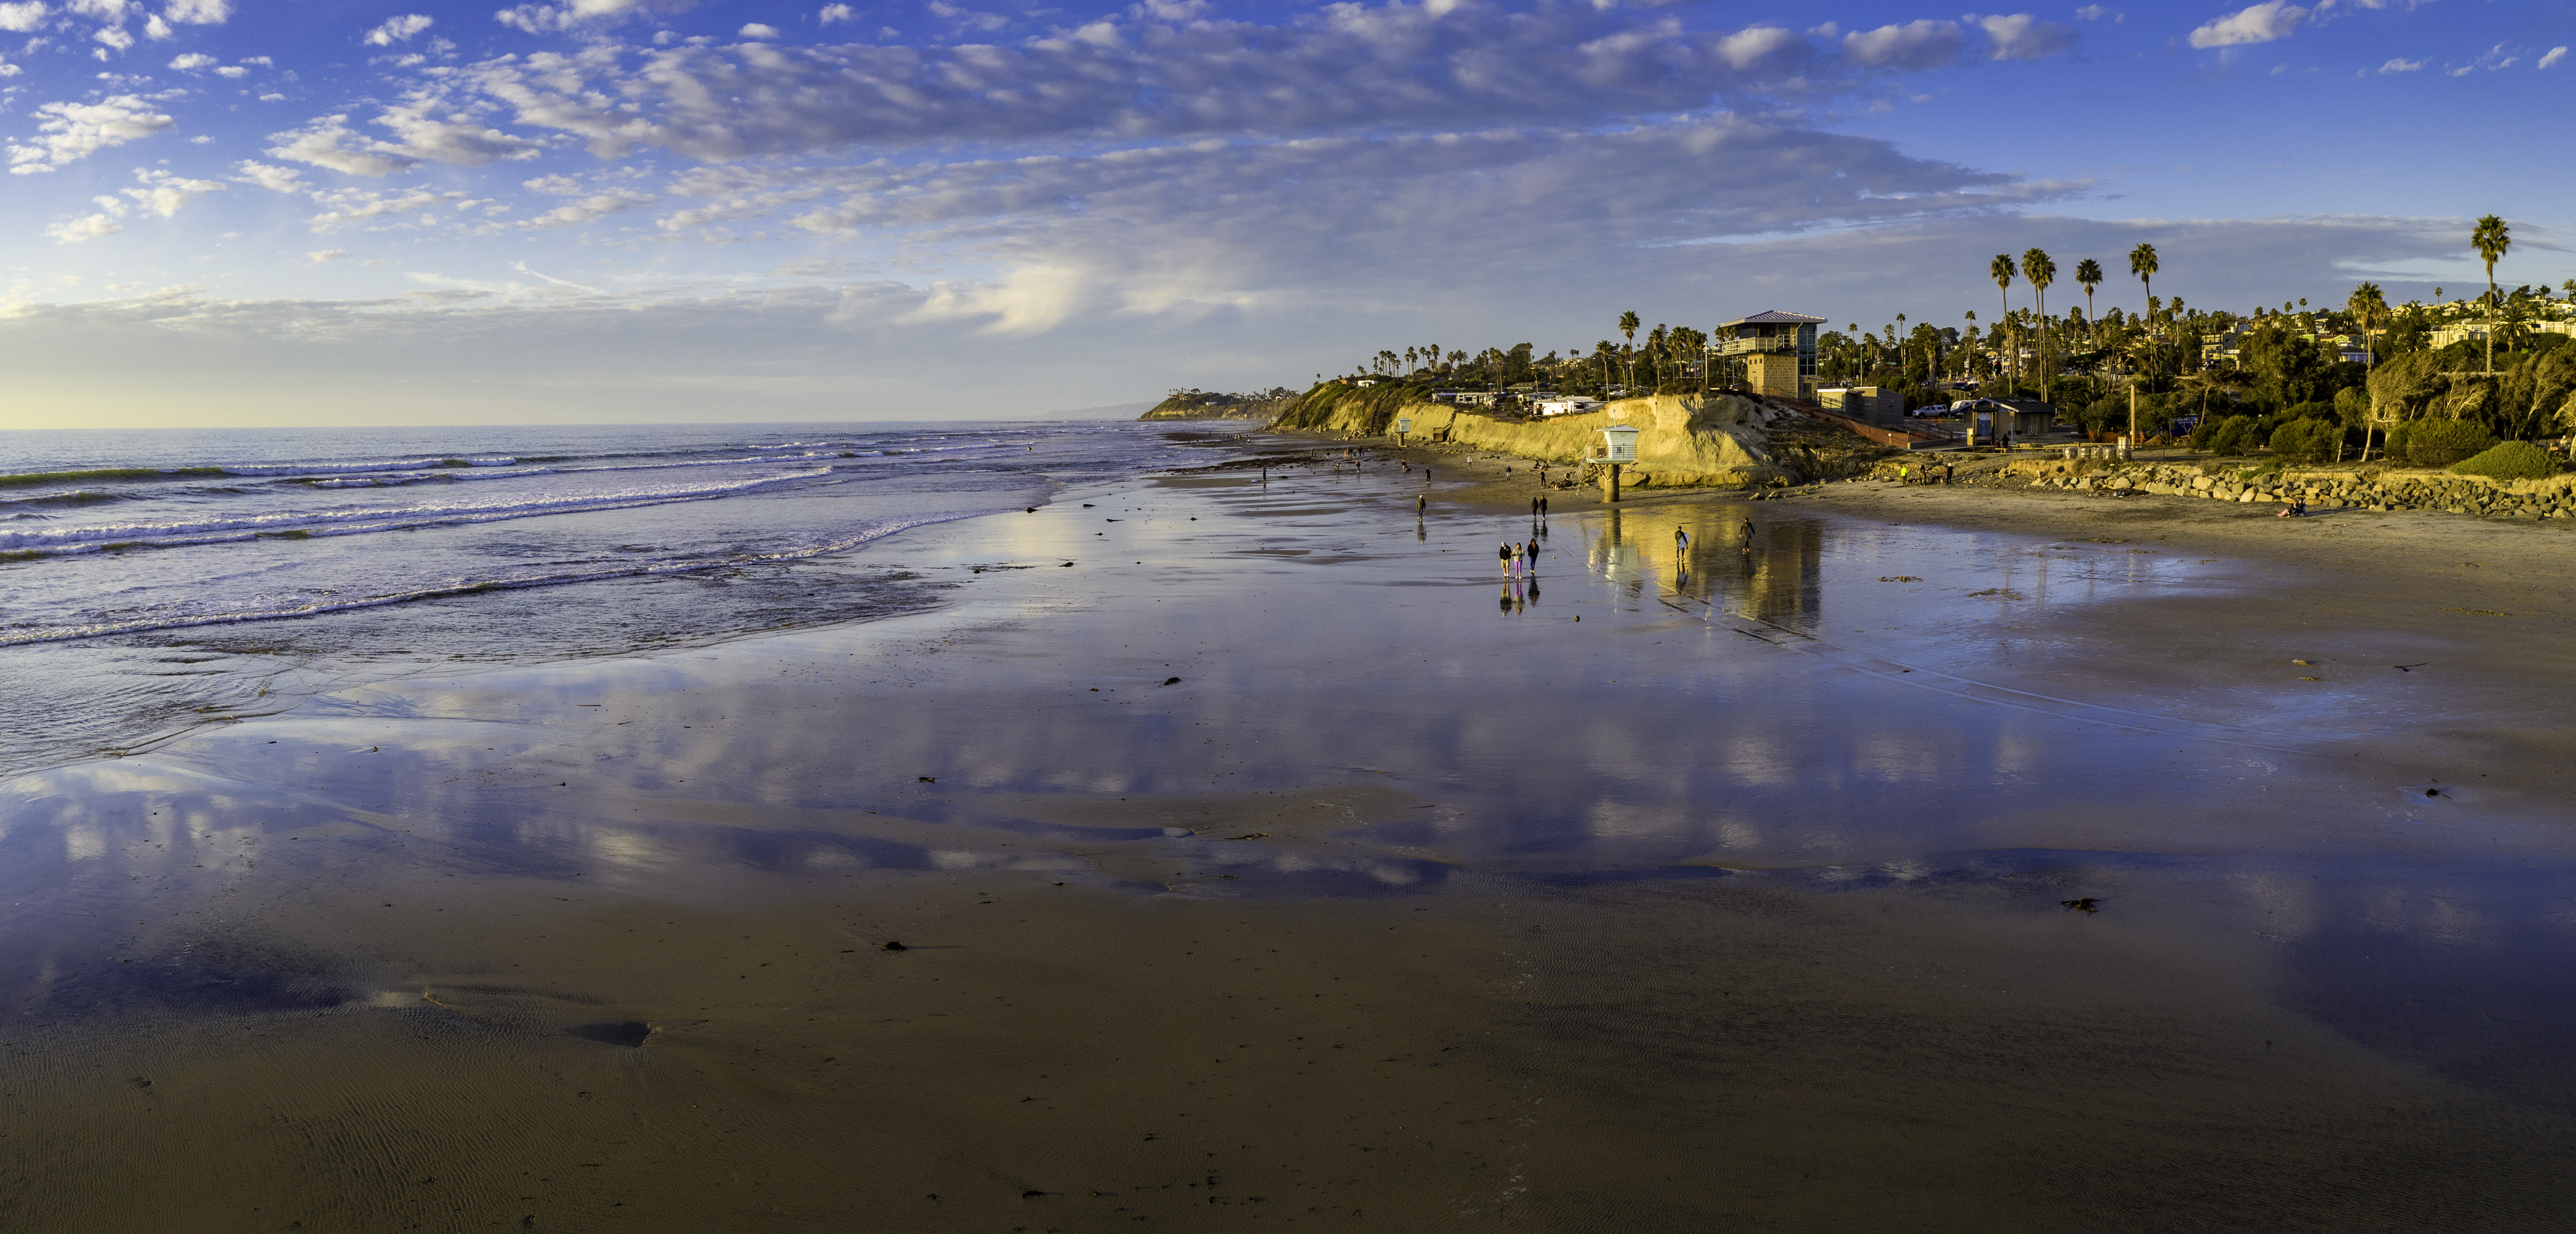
1506 558
1681 542
1529 553
1421 504
1748 537
1542 509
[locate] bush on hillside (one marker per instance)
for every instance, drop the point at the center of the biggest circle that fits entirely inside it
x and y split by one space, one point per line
2512 460
2306 441
2439 443
2233 435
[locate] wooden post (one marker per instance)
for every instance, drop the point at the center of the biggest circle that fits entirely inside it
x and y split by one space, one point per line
1614 481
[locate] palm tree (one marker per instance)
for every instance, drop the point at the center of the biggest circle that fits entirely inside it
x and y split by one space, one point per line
1969 337
2491 239
2002 270
2088 273
2368 308
2039 271
1628 324
2142 263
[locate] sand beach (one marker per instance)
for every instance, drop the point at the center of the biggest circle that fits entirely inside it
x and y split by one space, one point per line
1241 854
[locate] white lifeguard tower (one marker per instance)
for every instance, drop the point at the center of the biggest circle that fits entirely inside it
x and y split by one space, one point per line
1618 447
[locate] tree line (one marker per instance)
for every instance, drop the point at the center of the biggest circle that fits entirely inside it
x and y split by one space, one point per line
2360 367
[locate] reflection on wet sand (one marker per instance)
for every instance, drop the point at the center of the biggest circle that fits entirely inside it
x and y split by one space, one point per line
1737 559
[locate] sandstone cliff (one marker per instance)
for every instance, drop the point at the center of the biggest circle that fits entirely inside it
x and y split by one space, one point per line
1722 440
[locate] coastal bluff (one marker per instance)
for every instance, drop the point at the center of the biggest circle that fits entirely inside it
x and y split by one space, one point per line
1209 405
1725 439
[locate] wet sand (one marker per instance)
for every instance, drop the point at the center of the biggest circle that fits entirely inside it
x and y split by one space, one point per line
1416 903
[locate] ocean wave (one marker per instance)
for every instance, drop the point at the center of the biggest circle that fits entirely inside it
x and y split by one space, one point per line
393 479
464 587
76 497
266 470
25 545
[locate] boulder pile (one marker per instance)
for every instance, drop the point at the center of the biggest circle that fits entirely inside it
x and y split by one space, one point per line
2371 489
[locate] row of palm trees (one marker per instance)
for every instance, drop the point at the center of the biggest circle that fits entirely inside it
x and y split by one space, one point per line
2038 269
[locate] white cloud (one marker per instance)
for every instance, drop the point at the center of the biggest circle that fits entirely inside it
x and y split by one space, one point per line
87 227
163 193
424 131
116 37
2399 64
329 142
73 131
2020 36
155 28
615 201
2261 23
398 29
101 10
192 61
1351 68
273 178
836 12
548 19
199 12
322 256
2553 59
1758 45
1157 230
2095 12
758 31
969 19
22 16
232 70
1915 45
344 207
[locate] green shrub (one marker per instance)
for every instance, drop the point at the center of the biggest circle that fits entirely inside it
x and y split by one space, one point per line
2513 460
2234 435
2306 441
2440 443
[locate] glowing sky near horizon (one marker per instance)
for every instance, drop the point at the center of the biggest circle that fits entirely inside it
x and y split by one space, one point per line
243 211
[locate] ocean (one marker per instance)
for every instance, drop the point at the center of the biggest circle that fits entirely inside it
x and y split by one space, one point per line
152 583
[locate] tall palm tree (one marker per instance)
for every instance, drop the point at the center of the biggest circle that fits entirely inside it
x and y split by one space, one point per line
1969 337
2368 308
2039 271
1628 324
2088 274
2491 239
2002 270
2142 263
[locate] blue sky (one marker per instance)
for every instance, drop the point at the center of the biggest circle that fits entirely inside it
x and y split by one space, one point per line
240 211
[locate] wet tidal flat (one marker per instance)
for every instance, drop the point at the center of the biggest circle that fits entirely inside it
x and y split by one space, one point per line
1829 870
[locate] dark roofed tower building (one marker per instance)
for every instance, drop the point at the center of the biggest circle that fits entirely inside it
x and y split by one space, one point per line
1778 349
